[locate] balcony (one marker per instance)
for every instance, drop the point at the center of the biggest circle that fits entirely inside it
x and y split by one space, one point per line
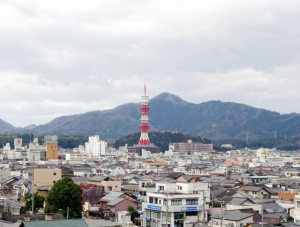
285 202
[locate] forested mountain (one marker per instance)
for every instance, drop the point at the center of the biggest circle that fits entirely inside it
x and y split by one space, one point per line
215 120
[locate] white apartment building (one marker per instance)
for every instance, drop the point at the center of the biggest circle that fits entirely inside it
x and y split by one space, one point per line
75 158
177 204
36 152
6 148
79 149
95 146
297 209
276 161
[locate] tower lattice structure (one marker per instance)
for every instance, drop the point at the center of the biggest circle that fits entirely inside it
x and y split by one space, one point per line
144 140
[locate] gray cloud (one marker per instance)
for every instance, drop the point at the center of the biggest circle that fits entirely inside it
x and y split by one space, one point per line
67 57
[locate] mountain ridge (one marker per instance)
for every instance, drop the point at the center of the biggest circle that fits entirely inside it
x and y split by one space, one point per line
212 119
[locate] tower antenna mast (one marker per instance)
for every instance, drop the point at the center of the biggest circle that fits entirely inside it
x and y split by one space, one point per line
144 139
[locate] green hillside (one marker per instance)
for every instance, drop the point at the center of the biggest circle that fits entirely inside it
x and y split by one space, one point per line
160 139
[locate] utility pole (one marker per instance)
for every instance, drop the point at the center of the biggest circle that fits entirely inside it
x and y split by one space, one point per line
204 202
67 212
221 214
212 205
262 213
166 194
32 196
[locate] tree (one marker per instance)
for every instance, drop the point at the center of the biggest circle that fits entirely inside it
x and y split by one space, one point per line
133 213
7 211
214 204
63 195
289 218
38 202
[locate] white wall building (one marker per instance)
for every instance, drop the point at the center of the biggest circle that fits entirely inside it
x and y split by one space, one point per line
297 209
184 203
95 146
6 148
75 158
36 152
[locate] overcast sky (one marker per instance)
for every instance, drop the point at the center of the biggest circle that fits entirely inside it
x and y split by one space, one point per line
68 57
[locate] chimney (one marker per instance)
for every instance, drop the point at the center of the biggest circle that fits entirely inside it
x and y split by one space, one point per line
48 217
27 218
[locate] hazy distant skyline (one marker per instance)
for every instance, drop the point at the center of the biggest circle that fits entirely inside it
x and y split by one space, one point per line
69 57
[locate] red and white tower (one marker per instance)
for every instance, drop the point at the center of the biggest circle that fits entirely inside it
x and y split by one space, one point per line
144 140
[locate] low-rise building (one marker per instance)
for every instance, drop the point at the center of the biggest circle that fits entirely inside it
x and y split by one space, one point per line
177 204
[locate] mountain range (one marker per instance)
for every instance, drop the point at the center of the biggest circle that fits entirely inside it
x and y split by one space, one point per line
215 120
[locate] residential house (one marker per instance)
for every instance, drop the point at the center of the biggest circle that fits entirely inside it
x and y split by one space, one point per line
120 204
231 218
257 192
7 185
83 171
42 176
117 170
110 184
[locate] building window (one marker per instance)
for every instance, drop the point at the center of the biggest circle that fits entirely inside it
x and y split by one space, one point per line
109 188
176 202
150 200
179 215
54 173
54 182
241 225
191 213
161 188
179 187
159 201
192 202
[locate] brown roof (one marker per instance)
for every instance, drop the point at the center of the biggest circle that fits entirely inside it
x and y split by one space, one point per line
120 176
175 175
229 192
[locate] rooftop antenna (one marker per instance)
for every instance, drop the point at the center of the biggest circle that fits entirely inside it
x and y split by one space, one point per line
284 138
30 132
275 135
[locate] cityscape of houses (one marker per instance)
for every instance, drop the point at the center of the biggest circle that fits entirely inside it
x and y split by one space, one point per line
188 185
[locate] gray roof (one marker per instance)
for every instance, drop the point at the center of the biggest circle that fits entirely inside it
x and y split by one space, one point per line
20 182
233 215
80 179
237 201
273 207
113 195
214 179
100 178
130 176
284 215
115 201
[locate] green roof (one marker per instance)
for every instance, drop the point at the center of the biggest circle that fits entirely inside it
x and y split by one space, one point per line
57 223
